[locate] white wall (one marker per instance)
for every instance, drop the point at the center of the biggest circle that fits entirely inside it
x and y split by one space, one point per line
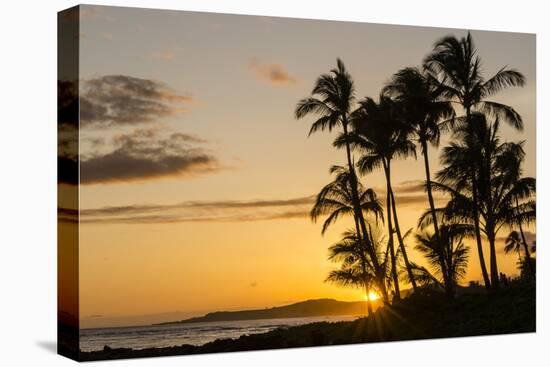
28 181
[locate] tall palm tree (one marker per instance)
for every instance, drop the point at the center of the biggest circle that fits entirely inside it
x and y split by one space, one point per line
332 100
446 254
458 73
524 214
428 114
498 187
525 211
380 135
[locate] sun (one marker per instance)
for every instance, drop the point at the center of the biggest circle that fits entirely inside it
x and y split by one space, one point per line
372 296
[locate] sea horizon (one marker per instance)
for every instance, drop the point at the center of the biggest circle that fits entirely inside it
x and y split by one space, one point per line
199 333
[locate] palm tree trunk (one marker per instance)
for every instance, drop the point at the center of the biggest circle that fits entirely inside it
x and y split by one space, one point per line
525 247
478 234
369 305
527 255
489 221
397 295
401 243
450 286
359 215
495 280
476 216
446 281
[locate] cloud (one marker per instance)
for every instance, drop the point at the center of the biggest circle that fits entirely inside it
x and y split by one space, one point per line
67 215
410 187
202 211
121 100
194 205
143 155
274 74
160 219
163 55
89 12
408 193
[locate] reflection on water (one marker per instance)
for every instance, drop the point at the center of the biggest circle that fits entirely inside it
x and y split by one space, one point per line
139 337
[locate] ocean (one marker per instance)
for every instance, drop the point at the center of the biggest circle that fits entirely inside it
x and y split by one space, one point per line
140 337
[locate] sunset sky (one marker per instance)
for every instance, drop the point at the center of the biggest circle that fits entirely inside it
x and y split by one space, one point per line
197 181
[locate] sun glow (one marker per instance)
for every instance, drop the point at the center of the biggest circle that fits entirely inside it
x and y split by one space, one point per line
372 296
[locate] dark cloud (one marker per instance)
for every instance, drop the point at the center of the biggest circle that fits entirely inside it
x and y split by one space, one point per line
122 99
67 215
144 155
274 74
67 132
67 104
67 170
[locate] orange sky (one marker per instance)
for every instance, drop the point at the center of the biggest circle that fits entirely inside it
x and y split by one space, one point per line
195 190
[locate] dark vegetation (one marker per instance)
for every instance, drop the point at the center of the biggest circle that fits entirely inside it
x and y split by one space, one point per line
422 315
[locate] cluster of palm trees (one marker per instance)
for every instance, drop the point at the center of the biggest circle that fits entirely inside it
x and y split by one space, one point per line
481 175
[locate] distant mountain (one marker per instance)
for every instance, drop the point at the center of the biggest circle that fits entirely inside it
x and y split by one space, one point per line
310 308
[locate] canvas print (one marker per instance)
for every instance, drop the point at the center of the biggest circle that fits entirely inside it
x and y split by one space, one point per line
235 183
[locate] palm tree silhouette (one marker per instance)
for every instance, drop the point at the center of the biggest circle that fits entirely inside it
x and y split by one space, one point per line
428 114
478 145
335 200
356 270
513 243
524 211
332 100
380 135
446 254
457 68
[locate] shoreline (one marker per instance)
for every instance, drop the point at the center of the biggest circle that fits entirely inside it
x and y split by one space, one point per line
425 316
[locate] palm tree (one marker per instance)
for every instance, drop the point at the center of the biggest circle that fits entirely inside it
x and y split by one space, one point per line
498 187
380 136
356 270
513 243
332 100
335 200
447 255
457 68
525 211
428 114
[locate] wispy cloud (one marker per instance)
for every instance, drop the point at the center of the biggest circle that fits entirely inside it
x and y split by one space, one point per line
274 74
89 12
409 193
202 211
107 35
144 155
163 55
